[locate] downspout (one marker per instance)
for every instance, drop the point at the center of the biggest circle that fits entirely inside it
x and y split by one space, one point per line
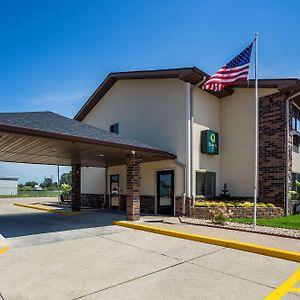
287 110
188 145
188 138
199 83
184 186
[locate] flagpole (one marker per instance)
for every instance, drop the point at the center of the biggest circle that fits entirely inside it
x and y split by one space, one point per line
256 132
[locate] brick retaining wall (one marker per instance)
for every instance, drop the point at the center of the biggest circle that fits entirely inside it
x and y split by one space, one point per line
238 212
97 201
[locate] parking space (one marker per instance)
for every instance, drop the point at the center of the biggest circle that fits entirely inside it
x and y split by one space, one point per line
85 257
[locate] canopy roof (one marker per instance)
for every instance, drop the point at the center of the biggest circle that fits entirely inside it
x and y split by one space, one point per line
49 138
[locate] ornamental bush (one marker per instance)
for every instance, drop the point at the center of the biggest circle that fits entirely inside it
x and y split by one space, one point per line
220 215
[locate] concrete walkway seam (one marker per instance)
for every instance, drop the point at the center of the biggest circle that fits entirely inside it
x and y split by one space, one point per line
56 211
273 252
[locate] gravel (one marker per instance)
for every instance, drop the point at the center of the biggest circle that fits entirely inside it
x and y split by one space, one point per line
282 232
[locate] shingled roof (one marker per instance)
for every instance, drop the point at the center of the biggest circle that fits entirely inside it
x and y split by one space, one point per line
51 125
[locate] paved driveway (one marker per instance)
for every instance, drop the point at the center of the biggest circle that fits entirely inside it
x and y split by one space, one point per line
84 257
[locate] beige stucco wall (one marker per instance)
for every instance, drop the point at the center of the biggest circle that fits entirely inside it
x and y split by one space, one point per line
237 137
153 111
149 110
148 176
206 115
92 180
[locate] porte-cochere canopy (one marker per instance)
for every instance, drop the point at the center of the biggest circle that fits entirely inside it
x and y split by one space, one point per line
49 138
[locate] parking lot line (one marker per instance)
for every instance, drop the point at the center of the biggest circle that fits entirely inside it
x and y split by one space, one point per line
286 287
4 249
56 211
273 252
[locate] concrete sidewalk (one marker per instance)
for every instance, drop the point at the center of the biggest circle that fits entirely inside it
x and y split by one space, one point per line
85 257
173 223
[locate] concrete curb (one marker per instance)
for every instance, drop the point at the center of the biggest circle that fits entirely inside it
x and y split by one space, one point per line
56 211
273 252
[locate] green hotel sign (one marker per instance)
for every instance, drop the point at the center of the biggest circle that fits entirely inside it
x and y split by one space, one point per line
209 142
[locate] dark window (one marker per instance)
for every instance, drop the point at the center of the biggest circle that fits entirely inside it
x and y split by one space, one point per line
294 123
295 176
296 119
114 128
206 184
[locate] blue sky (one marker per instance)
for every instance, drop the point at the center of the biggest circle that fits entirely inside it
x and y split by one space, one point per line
53 54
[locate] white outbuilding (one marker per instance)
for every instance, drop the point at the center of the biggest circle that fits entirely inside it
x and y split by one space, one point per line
8 186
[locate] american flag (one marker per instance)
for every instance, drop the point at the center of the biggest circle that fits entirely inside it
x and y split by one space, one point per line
236 70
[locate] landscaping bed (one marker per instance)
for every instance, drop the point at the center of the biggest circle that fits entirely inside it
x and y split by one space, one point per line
203 212
275 231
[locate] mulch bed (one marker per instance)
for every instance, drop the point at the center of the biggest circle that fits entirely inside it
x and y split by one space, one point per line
275 231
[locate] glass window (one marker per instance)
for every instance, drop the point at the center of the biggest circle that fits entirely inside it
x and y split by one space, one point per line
200 184
114 128
206 184
295 176
294 123
298 125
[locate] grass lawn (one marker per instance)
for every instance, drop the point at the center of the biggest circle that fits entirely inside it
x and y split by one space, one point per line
292 222
34 194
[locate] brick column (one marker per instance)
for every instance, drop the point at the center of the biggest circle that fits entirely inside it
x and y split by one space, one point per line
76 189
272 149
133 187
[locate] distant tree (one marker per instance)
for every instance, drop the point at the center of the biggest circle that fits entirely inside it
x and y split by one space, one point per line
66 178
31 183
46 183
20 185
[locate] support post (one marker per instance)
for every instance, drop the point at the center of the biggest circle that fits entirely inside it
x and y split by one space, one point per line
76 188
133 187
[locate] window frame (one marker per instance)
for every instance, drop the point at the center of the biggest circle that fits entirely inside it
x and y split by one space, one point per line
114 128
206 173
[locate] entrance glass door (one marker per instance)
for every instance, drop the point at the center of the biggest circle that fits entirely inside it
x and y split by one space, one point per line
165 192
114 191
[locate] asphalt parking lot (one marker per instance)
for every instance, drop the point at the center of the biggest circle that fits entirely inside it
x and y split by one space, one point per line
85 257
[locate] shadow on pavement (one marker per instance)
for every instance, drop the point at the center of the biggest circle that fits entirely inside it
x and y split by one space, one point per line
15 225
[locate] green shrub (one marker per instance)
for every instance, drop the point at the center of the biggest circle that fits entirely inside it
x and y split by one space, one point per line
248 204
220 215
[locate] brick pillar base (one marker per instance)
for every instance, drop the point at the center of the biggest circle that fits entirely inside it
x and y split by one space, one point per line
76 190
133 188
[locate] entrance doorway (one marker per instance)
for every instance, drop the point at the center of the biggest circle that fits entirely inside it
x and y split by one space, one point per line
165 192
115 191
